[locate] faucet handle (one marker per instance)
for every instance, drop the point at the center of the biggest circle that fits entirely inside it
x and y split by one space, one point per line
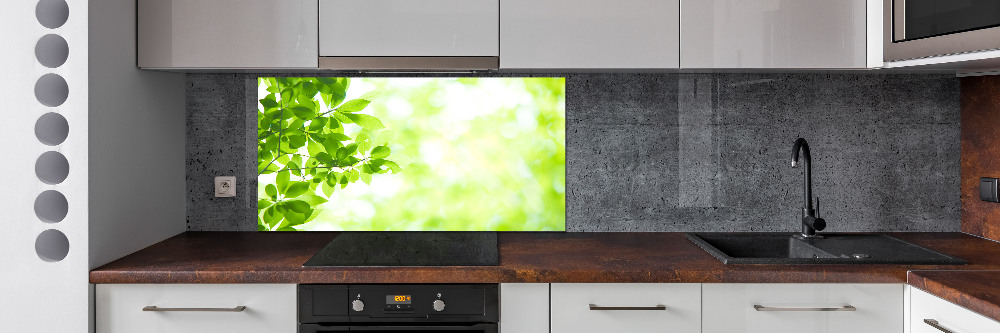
817 206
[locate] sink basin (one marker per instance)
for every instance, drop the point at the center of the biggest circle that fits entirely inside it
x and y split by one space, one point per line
786 248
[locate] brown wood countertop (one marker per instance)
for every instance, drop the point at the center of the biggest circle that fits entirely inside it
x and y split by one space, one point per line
277 257
978 291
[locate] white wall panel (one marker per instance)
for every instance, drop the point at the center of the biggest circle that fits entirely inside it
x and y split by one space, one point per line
39 295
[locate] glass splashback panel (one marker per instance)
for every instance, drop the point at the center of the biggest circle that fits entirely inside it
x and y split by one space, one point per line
424 154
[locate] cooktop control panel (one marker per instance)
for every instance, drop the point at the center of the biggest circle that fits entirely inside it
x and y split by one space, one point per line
404 302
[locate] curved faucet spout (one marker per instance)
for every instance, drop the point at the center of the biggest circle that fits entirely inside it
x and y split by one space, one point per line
803 146
810 222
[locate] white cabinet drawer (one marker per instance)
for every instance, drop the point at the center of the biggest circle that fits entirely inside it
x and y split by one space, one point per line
730 308
409 28
572 311
949 316
269 308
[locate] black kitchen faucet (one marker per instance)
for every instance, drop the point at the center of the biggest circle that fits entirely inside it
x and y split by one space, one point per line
810 222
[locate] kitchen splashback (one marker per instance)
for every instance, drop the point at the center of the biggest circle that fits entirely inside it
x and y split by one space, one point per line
682 152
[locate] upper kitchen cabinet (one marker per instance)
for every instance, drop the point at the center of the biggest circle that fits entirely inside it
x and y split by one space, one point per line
409 34
220 34
780 34
581 34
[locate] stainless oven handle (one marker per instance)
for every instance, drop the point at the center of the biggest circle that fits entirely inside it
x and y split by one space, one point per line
759 307
935 324
158 309
627 308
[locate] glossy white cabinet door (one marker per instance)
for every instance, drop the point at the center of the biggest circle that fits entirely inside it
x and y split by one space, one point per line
227 34
589 34
572 312
524 308
270 308
409 28
773 33
948 316
729 308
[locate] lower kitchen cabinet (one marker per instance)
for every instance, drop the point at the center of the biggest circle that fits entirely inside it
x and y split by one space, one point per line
626 307
930 314
196 308
802 308
524 308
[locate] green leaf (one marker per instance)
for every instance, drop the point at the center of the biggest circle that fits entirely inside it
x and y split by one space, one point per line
332 179
303 112
393 166
282 181
287 229
312 199
371 95
341 117
294 168
271 167
327 188
325 159
384 138
366 178
269 102
297 206
296 189
366 121
349 150
353 105
263 204
338 137
380 152
364 141
271 191
296 140
349 161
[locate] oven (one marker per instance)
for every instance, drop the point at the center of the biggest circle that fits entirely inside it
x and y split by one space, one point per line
388 308
927 28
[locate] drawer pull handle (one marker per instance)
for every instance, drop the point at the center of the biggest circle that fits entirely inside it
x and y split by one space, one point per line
759 307
628 308
233 309
935 324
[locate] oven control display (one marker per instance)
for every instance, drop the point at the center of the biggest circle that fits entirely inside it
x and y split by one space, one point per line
397 299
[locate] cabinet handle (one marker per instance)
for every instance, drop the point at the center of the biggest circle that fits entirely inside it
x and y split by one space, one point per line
630 308
759 307
935 324
233 309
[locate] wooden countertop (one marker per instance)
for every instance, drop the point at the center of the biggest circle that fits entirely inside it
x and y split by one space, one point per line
978 291
269 257
262 257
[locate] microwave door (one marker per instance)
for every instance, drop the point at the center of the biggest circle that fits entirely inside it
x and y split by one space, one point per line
916 19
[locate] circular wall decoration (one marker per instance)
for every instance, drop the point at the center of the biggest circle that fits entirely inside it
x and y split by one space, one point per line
51 51
51 129
52 245
51 90
51 206
52 168
52 13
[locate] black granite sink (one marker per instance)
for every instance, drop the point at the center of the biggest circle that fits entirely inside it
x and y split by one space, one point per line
786 248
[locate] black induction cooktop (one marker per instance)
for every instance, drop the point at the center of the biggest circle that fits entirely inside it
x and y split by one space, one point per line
404 248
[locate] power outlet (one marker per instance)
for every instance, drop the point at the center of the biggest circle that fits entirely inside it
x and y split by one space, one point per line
225 186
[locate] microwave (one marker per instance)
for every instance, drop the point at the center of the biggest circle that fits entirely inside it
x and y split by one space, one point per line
915 29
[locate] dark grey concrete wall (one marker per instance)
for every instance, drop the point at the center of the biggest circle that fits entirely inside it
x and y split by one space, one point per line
684 152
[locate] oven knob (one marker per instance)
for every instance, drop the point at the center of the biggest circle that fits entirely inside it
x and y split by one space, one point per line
358 305
438 305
